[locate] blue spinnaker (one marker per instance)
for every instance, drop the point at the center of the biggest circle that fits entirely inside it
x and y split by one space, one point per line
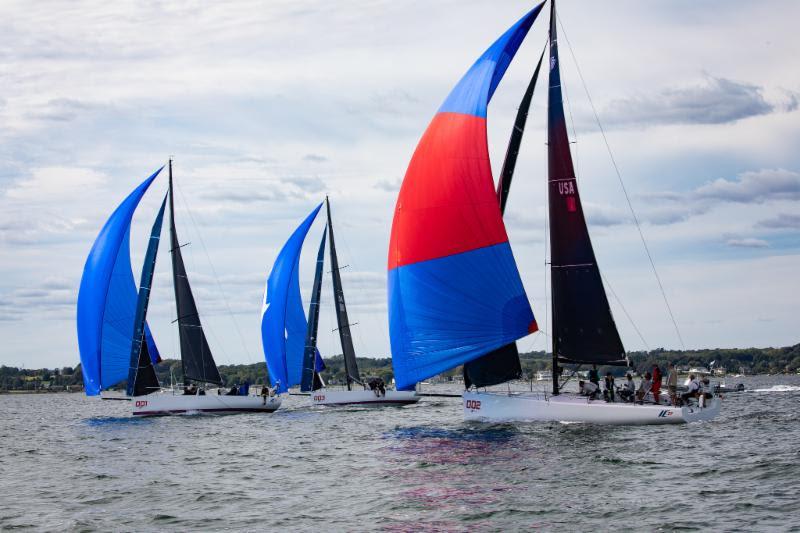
107 300
283 321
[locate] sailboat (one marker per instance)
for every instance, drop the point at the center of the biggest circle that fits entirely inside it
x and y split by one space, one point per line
455 293
113 336
290 342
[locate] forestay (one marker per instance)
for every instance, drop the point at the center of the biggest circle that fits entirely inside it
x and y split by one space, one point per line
196 358
142 377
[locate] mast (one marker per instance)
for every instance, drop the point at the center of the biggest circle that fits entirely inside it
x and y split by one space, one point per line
350 365
309 377
583 327
141 374
196 359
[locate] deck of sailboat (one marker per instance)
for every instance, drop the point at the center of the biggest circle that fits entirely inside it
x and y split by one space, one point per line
568 407
367 398
168 403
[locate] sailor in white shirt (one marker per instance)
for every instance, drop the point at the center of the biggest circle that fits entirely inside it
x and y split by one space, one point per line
693 389
628 389
587 388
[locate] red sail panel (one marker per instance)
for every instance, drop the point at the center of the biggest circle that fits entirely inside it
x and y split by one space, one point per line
447 204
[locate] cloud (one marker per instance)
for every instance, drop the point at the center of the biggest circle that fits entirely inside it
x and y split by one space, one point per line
782 221
45 301
715 101
310 184
747 243
61 110
605 215
45 182
754 187
315 158
388 185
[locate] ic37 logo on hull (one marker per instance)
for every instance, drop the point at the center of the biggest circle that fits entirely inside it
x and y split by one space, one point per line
664 414
319 398
141 403
475 405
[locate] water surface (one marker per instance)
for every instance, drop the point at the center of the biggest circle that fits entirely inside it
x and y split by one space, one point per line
71 462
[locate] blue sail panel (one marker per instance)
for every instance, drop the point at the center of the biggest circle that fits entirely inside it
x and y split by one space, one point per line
474 91
107 299
296 327
283 322
446 312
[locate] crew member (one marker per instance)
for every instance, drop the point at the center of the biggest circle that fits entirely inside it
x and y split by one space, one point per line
692 389
645 386
587 388
608 393
628 388
656 387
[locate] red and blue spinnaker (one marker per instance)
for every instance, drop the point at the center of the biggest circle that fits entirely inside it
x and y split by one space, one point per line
455 292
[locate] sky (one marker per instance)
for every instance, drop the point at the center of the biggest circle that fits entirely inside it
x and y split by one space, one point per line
266 107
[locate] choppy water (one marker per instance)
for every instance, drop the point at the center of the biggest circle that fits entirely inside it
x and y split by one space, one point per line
69 462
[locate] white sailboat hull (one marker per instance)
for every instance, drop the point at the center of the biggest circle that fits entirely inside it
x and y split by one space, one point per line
363 397
166 403
533 407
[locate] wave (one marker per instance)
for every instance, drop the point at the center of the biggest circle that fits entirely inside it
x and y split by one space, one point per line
779 388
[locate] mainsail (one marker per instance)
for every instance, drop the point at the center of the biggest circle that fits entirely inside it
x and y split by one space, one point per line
141 375
311 359
342 321
454 289
107 301
283 322
583 328
198 363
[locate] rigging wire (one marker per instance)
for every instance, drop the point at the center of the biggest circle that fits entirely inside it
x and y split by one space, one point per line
630 319
216 280
622 185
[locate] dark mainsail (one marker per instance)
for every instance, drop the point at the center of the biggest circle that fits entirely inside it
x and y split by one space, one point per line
141 374
310 381
503 364
583 327
198 363
350 365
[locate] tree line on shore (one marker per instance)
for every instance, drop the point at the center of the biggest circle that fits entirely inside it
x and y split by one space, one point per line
750 360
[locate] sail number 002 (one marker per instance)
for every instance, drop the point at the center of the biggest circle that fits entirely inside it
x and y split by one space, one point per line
319 398
472 404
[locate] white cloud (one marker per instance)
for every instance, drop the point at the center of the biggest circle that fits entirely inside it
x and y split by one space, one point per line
747 243
715 101
63 182
755 186
782 221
